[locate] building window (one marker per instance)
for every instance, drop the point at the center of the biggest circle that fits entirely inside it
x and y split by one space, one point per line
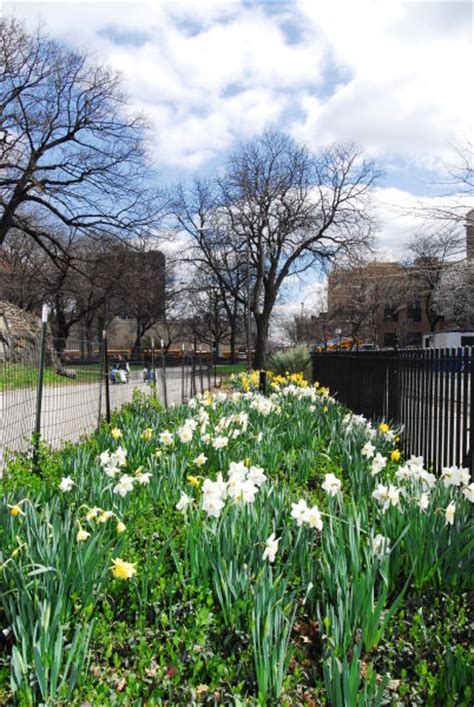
390 312
390 339
414 338
414 311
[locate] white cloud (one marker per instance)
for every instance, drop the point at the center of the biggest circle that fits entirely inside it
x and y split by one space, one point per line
410 66
209 72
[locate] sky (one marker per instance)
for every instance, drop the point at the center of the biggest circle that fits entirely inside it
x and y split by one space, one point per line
395 77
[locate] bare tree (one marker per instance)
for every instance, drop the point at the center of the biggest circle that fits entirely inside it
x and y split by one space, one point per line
276 211
454 294
140 291
71 154
430 253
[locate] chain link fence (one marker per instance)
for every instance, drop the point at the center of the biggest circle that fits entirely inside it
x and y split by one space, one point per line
58 397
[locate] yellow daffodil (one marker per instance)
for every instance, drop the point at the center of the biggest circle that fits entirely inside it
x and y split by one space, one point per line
121 569
383 427
116 433
325 408
193 480
395 455
120 527
157 453
147 434
15 509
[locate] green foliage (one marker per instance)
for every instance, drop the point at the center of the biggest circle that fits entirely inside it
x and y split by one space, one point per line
295 360
207 617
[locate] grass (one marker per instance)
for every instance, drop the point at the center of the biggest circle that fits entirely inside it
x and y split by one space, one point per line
226 369
17 375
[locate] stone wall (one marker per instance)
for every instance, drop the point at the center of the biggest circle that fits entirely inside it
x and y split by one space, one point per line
20 338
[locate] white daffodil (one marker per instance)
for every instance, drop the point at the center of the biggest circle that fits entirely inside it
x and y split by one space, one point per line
124 486
424 501
368 450
185 434
143 478
215 488
104 457
271 548
299 511
312 516
449 513
111 471
200 460
257 475
468 492
380 546
212 504
220 442
378 463
120 455
166 438
66 484
451 476
332 485
183 502
381 496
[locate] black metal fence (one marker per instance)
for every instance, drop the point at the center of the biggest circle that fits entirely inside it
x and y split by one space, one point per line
429 392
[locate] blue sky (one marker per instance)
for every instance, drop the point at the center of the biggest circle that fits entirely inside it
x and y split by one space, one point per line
393 76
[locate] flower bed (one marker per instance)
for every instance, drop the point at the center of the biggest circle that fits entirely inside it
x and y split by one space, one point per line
240 549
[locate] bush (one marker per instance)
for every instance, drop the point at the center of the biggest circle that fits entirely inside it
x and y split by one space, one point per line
296 360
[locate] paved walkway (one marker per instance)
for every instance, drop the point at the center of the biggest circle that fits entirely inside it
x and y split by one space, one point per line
72 410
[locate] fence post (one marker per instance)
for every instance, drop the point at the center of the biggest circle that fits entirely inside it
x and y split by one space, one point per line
163 371
153 367
105 354
182 373
393 389
262 383
201 376
193 372
470 454
39 387
209 363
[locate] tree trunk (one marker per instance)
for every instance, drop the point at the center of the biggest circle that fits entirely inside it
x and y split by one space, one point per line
232 339
261 341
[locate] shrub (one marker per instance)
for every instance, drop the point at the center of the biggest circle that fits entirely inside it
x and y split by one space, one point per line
296 360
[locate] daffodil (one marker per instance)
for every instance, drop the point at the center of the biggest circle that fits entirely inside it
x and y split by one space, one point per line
183 502
200 460
383 427
395 455
66 484
104 516
449 513
193 480
332 485
15 509
122 570
121 526
116 433
271 548
147 434
82 535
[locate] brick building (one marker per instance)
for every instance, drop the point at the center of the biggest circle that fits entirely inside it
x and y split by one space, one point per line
387 303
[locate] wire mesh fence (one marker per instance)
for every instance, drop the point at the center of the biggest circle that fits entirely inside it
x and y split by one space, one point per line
70 392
